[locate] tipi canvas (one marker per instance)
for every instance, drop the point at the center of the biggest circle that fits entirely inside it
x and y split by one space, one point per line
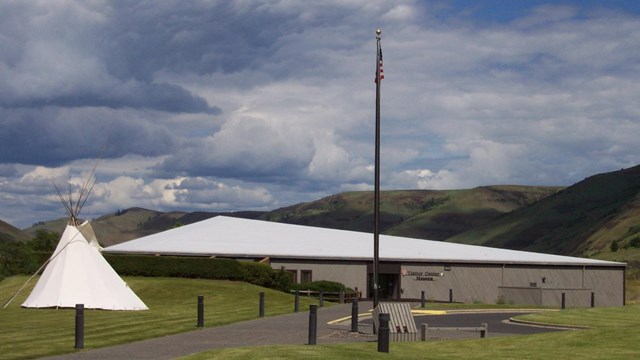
78 274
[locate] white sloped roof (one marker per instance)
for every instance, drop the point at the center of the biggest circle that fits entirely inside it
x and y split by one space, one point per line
235 237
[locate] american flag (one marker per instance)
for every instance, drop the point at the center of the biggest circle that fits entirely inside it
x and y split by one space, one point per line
380 65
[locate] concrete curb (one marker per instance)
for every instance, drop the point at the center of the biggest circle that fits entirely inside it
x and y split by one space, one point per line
547 325
496 311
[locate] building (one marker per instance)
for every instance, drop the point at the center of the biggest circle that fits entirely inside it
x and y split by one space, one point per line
444 271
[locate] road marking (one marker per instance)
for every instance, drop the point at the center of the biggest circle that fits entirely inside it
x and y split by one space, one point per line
368 314
428 312
348 318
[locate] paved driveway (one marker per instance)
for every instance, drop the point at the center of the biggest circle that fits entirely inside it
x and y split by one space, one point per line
498 324
287 329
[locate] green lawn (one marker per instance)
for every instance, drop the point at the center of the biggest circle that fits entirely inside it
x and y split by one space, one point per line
615 334
30 333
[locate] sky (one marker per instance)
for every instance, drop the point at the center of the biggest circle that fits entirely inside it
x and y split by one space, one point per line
255 105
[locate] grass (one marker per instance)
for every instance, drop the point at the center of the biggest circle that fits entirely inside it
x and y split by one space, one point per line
615 335
633 291
31 333
623 255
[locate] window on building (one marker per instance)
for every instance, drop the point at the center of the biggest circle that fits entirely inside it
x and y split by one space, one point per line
305 276
294 275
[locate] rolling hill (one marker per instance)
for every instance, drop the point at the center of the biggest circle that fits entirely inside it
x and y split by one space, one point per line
133 223
423 214
581 220
426 214
11 233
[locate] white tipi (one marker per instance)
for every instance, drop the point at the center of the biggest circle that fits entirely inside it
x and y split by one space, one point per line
77 273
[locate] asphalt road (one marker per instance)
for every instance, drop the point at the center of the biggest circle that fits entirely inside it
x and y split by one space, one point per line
333 327
498 323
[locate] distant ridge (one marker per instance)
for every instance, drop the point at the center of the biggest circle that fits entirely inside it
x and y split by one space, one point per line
422 214
581 220
128 224
9 232
426 214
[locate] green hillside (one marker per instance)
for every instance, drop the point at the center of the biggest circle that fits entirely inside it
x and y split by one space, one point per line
133 223
581 220
426 214
11 233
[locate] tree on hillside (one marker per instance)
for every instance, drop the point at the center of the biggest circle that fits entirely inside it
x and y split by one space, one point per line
614 246
44 241
15 258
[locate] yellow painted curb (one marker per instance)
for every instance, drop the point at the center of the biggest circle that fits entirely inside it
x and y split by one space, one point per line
368 314
428 312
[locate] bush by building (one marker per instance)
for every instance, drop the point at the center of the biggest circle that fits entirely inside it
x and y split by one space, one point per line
322 285
200 267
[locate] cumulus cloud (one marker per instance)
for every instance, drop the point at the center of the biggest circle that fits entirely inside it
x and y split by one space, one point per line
246 147
209 194
54 136
216 105
7 170
62 54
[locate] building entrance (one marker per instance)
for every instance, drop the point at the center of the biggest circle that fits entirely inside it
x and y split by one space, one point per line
388 286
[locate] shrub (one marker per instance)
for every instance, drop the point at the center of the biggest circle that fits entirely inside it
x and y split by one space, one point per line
257 273
200 267
44 241
175 266
282 280
16 258
322 285
614 246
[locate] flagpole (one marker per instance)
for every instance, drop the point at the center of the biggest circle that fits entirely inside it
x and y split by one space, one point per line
376 196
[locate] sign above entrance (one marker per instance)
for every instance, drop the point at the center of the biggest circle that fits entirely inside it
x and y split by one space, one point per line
422 275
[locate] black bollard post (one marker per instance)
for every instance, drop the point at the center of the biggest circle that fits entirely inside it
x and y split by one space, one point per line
562 304
261 314
422 299
383 333
593 299
296 304
450 295
321 300
313 324
79 326
354 315
200 311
